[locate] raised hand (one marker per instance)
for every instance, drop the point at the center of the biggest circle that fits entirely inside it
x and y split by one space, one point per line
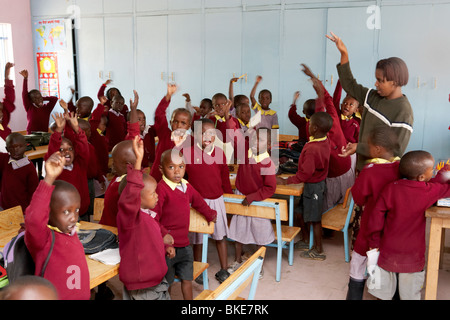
8 67
340 46
107 82
103 100
138 148
24 73
63 105
60 121
296 96
187 97
134 104
54 165
72 119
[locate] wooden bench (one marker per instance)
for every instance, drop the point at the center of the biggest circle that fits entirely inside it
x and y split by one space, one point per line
274 209
287 137
232 287
339 218
10 220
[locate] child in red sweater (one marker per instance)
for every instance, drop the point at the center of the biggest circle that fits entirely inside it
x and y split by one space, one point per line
313 165
397 225
256 180
347 114
117 123
75 153
207 161
56 205
177 136
381 169
110 93
19 178
7 106
200 112
143 266
38 113
309 107
175 198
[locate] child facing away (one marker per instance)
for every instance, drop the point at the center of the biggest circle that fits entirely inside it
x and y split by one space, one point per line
7 106
208 173
386 105
396 227
175 198
204 110
19 178
309 107
177 136
56 205
381 169
38 108
75 153
142 250
256 180
313 165
269 117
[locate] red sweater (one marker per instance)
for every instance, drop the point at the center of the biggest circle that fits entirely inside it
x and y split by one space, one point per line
38 118
110 207
299 122
338 165
148 139
78 175
208 174
397 223
17 185
313 163
350 127
368 185
8 108
141 247
173 211
99 141
116 129
67 268
101 93
164 135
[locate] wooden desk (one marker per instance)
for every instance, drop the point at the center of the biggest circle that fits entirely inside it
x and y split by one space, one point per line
99 272
38 153
440 219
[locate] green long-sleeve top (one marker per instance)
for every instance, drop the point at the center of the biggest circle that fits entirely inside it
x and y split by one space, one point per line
378 111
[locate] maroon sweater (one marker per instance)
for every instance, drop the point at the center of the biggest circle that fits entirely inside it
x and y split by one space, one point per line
8 108
67 268
368 185
37 118
101 93
173 211
116 129
141 247
397 223
350 127
110 207
300 122
208 174
149 142
17 185
99 141
78 175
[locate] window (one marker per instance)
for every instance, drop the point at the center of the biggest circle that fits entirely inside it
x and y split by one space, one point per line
6 50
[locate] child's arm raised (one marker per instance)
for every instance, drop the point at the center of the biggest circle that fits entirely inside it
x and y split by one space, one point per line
54 165
26 99
252 93
10 95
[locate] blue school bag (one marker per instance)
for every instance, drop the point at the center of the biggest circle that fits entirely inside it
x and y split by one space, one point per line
17 260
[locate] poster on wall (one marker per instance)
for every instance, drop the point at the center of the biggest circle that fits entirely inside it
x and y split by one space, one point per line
49 35
47 63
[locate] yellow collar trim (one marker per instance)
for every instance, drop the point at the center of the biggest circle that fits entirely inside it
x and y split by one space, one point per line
173 185
57 229
242 123
258 158
381 160
311 139
345 117
268 112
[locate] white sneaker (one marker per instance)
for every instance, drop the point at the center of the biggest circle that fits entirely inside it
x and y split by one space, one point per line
233 267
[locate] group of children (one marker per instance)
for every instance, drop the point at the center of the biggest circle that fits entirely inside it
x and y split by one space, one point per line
346 147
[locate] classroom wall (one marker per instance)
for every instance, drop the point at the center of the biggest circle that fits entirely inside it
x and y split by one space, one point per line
18 14
202 44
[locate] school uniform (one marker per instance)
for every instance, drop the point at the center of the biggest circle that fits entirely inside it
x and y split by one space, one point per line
148 138
107 106
349 124
37 117
18 181
99 141
8 108
67 268
110 209
76 173
142 251
302 123
116 129
164 134
208 173
269 118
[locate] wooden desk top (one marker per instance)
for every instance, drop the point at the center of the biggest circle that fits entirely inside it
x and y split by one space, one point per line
38 153
287 190
99 272
438 212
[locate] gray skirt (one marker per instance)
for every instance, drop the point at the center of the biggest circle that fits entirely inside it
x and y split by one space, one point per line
251 230
221 226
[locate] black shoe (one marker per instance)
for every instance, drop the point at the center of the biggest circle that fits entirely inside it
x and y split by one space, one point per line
222 275
199 279
355 289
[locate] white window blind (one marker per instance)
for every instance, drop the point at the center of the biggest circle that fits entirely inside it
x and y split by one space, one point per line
6 50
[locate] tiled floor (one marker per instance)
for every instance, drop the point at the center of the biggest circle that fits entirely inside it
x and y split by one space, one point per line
304 280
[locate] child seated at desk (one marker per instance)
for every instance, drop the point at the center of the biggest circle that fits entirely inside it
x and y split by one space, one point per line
175 199
396 227
18 174
56 205
143 273
312 171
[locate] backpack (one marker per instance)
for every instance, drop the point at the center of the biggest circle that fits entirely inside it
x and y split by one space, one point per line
17 260
38 138
97 240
